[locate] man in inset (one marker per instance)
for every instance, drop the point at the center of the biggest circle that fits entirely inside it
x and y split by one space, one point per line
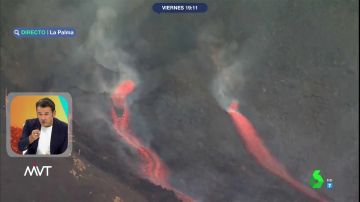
45 134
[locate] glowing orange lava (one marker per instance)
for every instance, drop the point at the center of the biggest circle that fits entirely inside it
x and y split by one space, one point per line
15 137
153 167
255 147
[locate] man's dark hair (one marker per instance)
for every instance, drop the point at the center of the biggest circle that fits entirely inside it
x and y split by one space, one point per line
46 102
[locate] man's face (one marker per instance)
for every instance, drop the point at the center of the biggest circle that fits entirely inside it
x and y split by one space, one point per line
45 116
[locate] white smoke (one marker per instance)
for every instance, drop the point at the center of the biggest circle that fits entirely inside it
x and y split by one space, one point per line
227 80
231 61
103 43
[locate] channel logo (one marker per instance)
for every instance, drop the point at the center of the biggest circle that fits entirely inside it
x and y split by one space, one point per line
35 170
329 184
316 181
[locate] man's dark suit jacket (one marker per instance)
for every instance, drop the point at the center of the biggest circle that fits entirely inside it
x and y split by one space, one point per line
59 137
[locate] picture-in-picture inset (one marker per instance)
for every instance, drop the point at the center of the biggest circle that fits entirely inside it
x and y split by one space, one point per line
38 124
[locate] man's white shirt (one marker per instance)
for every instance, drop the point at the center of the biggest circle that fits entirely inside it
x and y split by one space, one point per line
44 141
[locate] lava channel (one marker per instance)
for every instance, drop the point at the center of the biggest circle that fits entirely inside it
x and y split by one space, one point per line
256 148
152 168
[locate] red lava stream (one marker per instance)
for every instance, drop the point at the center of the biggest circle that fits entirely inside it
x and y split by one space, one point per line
256 148
152 168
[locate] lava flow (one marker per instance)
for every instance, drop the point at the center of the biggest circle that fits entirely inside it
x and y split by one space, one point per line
152 168
255 147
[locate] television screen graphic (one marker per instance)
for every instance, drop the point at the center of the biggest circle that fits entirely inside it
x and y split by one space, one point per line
179 101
